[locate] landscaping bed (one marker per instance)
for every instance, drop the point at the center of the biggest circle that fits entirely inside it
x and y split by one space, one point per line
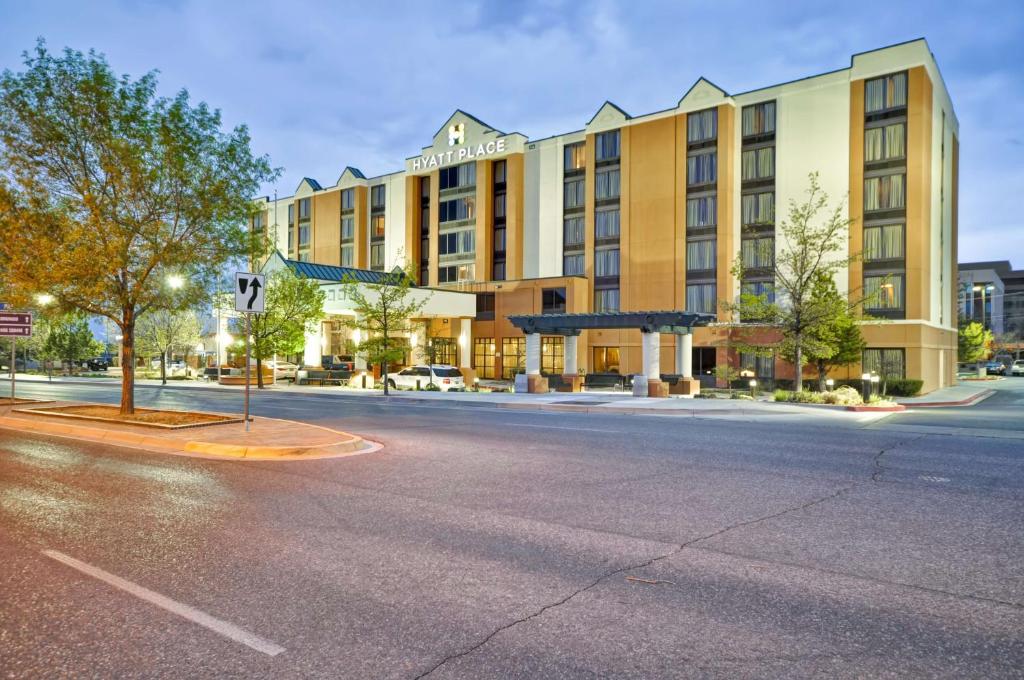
142 416
6 401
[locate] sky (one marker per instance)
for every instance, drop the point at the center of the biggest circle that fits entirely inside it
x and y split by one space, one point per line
329 84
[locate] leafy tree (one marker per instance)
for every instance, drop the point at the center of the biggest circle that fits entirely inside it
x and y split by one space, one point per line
113 190
293 306
836 340
163 331
814 238
974 341
384 312
70 339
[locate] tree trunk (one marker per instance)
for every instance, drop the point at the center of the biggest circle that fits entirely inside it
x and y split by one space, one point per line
259 373
821 375
798 359
163 368
384 373
128 363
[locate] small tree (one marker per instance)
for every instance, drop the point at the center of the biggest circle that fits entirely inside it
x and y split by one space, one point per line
70 339
163 331
293 306
973 341
114 191
836 340
384 310
814 238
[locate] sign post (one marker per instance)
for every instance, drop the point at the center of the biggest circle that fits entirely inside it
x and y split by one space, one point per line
14 325
250 298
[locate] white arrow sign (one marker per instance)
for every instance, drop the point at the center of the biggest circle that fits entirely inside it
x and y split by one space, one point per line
250 291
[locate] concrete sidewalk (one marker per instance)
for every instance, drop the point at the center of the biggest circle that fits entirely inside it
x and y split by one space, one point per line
961 394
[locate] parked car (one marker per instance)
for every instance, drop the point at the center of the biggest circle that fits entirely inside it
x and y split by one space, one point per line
334 362
1018 367
445 377
283 370
995 367
97 364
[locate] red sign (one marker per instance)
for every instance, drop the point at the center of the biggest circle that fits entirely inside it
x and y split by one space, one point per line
16 331
14 319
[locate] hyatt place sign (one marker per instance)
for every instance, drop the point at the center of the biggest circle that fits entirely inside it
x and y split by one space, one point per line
456 138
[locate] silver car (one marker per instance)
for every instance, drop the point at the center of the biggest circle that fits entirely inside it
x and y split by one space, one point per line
445 377
1017 368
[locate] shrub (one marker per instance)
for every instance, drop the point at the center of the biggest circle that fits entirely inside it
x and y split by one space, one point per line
805 397
903 387
844 396
738 395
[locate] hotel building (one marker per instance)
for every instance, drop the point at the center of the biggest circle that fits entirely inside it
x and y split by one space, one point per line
648 212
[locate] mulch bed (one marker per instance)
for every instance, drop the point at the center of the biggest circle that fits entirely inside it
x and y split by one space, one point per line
142 416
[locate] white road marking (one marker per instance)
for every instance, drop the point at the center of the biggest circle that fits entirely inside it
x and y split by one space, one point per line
557 427
937 480
183 610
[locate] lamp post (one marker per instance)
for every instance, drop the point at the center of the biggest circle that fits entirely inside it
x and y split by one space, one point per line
865 387
753 388
829 384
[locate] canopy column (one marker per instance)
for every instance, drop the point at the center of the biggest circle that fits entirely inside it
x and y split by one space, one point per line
535 382
652 364
572 381
466 353
686 384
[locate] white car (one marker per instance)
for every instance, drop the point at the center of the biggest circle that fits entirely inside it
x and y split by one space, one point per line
283 370
1017 368
445 377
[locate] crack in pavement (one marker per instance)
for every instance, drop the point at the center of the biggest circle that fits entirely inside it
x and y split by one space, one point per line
877 471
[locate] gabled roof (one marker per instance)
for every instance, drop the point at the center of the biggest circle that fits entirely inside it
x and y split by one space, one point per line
334 274
487 128
609 108
703 89
356 172
311 183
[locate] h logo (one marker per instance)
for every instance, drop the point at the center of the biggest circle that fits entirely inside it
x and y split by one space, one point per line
456 134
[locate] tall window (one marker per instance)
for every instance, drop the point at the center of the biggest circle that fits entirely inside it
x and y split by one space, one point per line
606 262
883 242
758 253
606 223
885 142
513 357
701 211
456 242
573 265
761 289
885 93
606 145
574 193
377 257
348 199
573 231
348 228
575 156
702 168
457 176
607 184
758 163
700 297
457 209
758 119
376 227
606 360
700 255
758 208
348 258
606 300
483 357
887 192
377 196
702 126
883 292
552 355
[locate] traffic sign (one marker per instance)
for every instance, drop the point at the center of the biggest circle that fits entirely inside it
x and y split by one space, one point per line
250 292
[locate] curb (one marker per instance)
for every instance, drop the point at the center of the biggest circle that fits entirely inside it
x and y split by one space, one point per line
867 408
970 401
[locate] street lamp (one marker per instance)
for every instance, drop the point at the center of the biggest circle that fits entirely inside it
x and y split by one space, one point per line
753 388
829 384
865 387
874 383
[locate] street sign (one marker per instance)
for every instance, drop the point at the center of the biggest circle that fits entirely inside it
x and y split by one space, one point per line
15 331
250 292
3 306
15 325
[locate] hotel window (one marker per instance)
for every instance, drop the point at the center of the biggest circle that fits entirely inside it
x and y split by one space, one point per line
573 265
485 306
759 163
606 223
376 227
606 360
455 273
575 157
258 221
291 215
377 257
457 209
499 240
606 184
291 240
888 92
761 289
500 172
574 193
456 243
758 253
883 242
574 231
883 292
483 357
890 362
700 256
701 211
304 209
348 199
499 205
885 142
702 168
348 256
457 176
348 228
552 355
291 228
377 196
552 301
756 366
606 146
759 119
606 262
758 208
606 300
499 273
700 297
303 235
887 192
702 126
513 357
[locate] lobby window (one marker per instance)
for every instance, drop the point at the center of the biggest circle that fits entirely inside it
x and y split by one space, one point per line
700 297
377 257
885 142
700 255
702 168
606 146
513 357
883 292
758 163
552 355
573 265
606 223
483 357
702 211
485 306
552 301
885 93
574 231
758 208
348 256
884 242
606 184
759 119
606 360
457 176
758 253
702 126
377 197
575 157
574 193
886 192
348 199
757 366
887 362
606 262
606 300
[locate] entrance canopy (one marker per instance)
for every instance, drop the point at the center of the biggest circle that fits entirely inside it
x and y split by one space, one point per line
647 322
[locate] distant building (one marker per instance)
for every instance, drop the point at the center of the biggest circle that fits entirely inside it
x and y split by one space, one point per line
992 293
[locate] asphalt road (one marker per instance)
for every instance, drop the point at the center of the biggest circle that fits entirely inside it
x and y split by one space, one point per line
493 543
